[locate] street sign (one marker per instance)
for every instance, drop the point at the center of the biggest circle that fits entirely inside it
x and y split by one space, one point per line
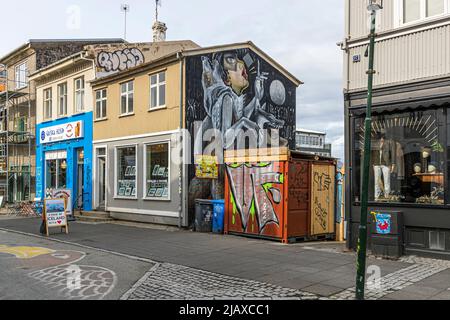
55 214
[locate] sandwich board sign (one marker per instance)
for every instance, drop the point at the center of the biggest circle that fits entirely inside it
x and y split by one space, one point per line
55 214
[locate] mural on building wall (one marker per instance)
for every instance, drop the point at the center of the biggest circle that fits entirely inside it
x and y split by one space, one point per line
120 60
235 92
256 192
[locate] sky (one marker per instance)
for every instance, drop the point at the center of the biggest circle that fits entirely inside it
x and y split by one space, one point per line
299 34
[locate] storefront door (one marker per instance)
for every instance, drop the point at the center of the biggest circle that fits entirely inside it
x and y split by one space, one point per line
80 178
101 178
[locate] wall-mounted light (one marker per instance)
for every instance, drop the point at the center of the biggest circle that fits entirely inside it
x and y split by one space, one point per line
374 5
81 155
64 165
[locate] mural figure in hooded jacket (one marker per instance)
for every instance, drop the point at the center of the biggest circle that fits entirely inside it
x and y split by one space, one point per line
225 80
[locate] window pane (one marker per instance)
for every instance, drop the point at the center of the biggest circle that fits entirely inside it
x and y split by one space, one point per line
154 97
98 114
157 171
435 7
103 108
98 95
123 105
162 77
153 79
162 95
126 172
123 88
130 86
130 103
51 174
411 10
62 173
407 158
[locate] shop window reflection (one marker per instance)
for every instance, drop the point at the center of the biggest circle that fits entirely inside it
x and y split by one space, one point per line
407 158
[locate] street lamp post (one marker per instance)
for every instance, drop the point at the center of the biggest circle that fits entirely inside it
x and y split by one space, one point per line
373 7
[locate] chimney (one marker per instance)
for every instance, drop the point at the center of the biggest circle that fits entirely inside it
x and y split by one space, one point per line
159 31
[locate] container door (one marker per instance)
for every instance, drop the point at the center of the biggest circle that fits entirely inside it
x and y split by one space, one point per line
322 199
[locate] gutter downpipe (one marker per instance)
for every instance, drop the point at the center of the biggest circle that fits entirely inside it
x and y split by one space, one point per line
182 152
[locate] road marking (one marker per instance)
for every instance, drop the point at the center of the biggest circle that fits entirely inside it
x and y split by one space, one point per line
136 258
24 252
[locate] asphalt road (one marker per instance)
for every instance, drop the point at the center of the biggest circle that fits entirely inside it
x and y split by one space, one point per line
38 269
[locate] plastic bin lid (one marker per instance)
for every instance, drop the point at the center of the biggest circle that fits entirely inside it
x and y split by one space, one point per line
218 201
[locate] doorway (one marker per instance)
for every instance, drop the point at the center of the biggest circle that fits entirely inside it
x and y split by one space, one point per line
80 178
101 178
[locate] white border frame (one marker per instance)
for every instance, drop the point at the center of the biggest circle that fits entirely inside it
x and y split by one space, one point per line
75 111
58 96
145 198
116 196
95 191
127 93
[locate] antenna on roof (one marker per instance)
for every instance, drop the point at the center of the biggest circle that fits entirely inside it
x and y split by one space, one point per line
125 8
158 4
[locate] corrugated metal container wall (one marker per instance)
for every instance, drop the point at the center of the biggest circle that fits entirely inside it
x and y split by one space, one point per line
414 56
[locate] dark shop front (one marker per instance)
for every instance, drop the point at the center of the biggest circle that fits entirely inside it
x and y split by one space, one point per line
409 201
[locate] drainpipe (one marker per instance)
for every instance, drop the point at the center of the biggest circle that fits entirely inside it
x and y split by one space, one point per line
181 169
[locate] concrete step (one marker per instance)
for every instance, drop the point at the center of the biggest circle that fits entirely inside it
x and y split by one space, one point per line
92 216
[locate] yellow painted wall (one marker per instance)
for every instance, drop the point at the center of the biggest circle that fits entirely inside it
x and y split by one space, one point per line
142 121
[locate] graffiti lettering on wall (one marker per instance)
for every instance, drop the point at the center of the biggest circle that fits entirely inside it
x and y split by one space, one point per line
120 60
322 181
256 189
320 214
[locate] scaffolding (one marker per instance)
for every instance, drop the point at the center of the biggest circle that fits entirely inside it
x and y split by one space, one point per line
16 137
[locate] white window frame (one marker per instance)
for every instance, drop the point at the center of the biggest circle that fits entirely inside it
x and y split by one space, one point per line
58 155
59 113
158 86
126 94
48 102
21 75
101 100
79 91
165 141
96 190
116 178
400 17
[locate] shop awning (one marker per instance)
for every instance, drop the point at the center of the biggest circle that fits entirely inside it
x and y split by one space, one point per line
402 107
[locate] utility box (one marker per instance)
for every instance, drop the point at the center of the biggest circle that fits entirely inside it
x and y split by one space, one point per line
386 233
279 194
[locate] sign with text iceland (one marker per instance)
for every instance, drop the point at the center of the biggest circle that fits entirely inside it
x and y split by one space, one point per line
62 132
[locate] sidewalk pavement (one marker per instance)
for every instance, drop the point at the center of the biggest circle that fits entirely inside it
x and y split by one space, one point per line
324 269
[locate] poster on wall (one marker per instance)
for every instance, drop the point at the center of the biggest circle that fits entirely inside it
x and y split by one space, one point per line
206 167
55 214
64 194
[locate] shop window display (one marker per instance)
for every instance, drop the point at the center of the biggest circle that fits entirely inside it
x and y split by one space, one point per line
157 171
126 172
407 158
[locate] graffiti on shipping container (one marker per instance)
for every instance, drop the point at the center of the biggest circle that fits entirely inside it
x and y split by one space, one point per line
256 195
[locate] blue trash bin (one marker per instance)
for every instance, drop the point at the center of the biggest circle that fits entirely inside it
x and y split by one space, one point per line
218 216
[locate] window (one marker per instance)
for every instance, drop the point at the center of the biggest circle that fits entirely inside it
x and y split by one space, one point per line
56 170
62 99
157 171
127 98
126 172
158 90
416 10
48 103
21 78
79 95
407 158
100 104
